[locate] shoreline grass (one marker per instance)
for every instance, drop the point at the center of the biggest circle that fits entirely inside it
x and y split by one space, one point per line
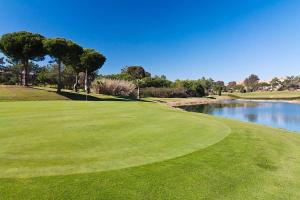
274 95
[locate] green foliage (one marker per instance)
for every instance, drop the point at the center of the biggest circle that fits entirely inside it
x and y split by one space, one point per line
134 72
56 47
291 82
23 46
121 76
164 92
73 56
263 84
251 82
206 83
42 76
192 87
275 82
218 86
156 81
91 60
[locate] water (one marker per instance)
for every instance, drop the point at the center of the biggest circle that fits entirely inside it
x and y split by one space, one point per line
276 114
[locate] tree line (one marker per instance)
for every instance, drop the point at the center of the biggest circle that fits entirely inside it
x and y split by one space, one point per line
160 86
253 83
23 48
72 66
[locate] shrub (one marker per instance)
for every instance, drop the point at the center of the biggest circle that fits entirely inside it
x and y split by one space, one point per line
114 87
164 92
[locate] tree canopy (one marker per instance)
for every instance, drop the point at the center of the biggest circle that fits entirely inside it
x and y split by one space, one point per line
135 72
23 46
251 82
56 47
91 60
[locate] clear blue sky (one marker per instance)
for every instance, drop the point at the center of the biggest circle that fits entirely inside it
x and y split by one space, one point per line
226 40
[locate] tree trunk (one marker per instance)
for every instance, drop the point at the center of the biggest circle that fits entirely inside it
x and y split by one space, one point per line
86 87
59 76
76 83
25 74
21 77
138 90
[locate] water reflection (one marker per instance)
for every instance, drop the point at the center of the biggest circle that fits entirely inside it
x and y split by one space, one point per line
276 114
251 117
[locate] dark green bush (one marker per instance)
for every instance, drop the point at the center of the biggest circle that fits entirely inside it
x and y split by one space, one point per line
164 92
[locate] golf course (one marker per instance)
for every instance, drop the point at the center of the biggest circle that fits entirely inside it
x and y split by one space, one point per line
114 148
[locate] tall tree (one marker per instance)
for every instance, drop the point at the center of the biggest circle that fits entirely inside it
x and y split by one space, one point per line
23 46
136 73
218 87
57 48
72 59
91 61
251 82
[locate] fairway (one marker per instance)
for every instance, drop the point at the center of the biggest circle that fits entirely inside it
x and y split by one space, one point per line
140 150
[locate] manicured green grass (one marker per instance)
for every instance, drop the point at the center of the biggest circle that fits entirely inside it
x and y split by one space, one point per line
140 150
17 93
268 95
77 137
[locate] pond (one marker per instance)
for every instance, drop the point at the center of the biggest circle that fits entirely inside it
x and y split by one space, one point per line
272 113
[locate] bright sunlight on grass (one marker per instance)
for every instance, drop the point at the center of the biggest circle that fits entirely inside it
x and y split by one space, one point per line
140 150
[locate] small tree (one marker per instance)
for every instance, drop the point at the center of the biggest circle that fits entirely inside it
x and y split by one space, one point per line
23 46
218 87
251 82
42 75
91 60
137 73
230 86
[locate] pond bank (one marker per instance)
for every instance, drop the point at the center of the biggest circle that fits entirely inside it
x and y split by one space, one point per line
190 101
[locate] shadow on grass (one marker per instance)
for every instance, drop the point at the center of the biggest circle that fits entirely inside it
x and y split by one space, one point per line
82 97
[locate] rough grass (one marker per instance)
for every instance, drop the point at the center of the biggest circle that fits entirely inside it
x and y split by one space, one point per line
140 150
284 95
17 93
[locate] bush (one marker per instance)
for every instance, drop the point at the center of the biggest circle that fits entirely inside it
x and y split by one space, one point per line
114 87
156 81
163 92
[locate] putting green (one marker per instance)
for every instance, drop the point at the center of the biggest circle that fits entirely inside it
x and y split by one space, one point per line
68 137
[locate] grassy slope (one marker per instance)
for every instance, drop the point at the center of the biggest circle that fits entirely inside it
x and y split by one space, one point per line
193 155
16 93
284 95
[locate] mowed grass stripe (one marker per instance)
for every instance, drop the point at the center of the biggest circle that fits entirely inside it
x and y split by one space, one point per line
66 137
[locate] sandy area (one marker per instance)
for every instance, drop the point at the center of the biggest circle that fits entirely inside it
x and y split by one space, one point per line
193 101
